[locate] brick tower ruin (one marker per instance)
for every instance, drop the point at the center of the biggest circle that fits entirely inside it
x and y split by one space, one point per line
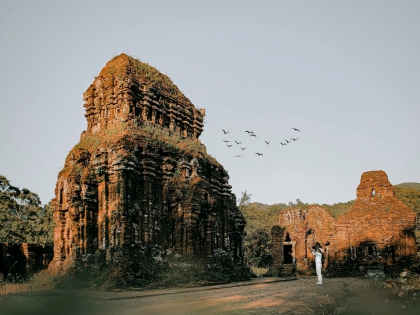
376 232
140 176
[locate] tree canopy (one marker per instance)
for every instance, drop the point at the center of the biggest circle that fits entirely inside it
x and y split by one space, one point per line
22 217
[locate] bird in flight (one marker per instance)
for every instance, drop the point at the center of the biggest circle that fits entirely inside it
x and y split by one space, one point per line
242 148
253 135
283 143
238 142
225 141
259 154
287 141
294 139
248 131
296 129
229 145
225 131
238 155
267 142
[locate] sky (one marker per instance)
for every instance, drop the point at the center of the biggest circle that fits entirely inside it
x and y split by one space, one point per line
345 73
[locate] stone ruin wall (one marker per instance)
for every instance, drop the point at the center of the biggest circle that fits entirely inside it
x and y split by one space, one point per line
23 259
378 230
129 193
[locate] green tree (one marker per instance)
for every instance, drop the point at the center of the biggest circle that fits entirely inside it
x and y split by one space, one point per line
244 200
260 218
22 218
258 248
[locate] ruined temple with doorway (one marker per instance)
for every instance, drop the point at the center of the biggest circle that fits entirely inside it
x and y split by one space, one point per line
140 177
377 232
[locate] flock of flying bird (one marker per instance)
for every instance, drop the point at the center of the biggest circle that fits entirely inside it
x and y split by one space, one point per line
252 134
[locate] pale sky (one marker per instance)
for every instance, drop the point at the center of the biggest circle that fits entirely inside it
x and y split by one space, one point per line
345 73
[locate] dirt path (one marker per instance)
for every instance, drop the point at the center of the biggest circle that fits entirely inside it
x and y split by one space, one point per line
260 296
302 296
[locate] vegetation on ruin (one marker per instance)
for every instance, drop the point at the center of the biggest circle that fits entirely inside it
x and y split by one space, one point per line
163 139
152 268
155 136
22 217
143 72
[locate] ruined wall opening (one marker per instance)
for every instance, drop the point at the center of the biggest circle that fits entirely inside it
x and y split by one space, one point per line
370 250
287 252
61 196
373 192
287 238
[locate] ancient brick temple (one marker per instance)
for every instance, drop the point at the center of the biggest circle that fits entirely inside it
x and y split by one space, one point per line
140 176
376 232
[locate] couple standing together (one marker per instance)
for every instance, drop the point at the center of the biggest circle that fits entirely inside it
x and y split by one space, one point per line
317 252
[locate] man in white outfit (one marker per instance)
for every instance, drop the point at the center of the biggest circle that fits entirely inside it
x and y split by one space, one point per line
317 252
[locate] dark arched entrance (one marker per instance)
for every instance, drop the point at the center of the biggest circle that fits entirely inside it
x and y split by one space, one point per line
288 258
287 250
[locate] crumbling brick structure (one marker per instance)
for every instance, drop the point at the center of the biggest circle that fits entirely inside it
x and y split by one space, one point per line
376 232
140 177
24 259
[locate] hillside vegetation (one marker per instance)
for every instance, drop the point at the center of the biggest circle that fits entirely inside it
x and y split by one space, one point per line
415 186
409 193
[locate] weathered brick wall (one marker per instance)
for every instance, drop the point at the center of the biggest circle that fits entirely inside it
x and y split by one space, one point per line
277 236
24 259
377 230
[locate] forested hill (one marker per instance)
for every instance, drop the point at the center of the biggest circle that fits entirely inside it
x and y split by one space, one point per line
415 186
409 193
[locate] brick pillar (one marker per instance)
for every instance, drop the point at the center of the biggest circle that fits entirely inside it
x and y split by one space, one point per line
277 242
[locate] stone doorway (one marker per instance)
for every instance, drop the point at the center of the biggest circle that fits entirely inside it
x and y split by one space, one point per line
287 252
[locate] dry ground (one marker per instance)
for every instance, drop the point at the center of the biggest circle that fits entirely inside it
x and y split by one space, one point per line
259 296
